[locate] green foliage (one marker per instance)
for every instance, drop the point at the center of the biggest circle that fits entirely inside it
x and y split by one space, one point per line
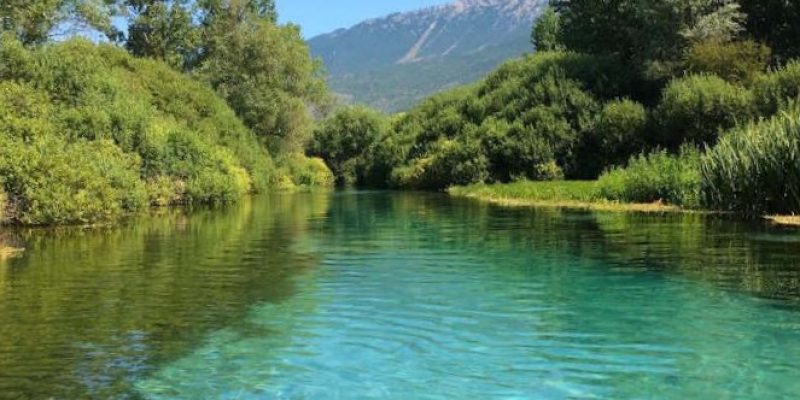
650 36
733 61
527 120
306 172
91 133
162 30
755 169
776 90
46 187
451 163
774 22
346 138
658 176
546 35
33 21
267 76
696 108
517 151
620 131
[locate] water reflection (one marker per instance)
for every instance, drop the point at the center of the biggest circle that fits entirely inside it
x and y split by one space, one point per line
84 312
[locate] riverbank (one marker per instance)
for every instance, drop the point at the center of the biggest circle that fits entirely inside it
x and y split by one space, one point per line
582 195
558 194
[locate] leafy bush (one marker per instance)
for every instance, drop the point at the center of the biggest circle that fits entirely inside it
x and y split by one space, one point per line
306 172
733 61
517 151
527 120
755 170
345 138
450 163
696 108
90 133
776 90
619 132
658 176
46 187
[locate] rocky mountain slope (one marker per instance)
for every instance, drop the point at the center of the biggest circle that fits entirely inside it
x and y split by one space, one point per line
392 62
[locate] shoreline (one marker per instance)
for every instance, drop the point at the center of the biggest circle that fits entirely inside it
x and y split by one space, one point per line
602 205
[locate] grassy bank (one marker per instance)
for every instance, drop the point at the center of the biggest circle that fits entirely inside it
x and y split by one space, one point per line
585 195
563 194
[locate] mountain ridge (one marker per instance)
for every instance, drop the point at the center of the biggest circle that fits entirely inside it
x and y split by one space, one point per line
386 62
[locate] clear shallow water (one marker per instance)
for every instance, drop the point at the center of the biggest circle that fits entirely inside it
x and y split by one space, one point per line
403 296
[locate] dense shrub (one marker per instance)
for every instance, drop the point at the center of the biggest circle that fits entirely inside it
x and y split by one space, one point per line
620 131
346 138
755 170
658 176
733 61
451 163
774 91
51 181
90 133
517 151
696 108
527 120
305 171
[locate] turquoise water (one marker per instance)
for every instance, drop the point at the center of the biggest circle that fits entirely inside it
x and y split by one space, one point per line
359 295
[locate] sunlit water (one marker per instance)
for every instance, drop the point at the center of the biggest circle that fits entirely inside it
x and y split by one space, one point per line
358 295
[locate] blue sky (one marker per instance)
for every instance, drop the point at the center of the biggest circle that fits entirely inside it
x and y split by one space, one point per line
322 16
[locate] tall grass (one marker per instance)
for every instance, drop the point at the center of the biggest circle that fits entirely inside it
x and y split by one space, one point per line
777 90
656 177
755 170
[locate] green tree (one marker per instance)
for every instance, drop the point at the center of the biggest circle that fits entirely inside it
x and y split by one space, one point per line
33 21
774 22
162 30
697 108
546 35
737 61
268 77
346 139
652 35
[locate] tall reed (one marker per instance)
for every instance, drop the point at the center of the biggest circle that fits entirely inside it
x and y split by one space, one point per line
755 169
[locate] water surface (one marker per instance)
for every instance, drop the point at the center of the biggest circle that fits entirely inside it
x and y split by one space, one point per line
359 295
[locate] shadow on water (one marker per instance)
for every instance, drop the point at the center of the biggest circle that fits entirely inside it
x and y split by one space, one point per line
83 313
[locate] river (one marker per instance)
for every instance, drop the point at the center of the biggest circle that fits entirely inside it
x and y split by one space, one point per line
381 295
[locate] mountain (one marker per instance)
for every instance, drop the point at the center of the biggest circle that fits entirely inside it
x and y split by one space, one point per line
393 62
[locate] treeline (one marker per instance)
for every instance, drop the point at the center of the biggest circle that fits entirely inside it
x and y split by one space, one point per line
211 101
685 101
